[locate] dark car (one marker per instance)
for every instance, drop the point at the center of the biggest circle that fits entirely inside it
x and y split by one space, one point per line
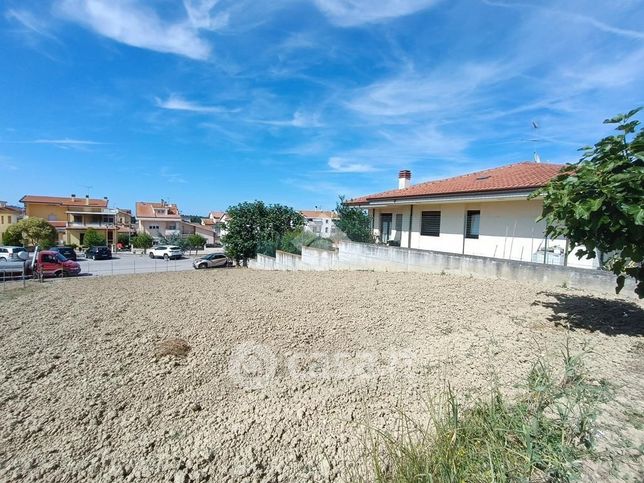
68 252
98 253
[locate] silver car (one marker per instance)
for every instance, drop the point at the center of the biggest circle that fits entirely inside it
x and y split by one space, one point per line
212 260
8 254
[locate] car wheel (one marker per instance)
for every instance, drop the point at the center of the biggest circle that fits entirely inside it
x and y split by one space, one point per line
58 274
165 256
151 255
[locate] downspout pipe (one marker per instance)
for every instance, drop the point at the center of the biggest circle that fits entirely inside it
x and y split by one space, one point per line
411 217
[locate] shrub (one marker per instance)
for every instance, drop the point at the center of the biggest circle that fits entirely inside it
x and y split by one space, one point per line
92 238
539 437
30 231
143 240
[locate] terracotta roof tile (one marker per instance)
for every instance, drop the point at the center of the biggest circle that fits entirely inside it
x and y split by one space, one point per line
318 214
526 175
145 209
65 201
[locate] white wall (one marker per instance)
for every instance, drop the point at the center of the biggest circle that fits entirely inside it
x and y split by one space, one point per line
508 230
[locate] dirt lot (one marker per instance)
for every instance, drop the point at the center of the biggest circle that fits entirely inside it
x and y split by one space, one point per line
283 370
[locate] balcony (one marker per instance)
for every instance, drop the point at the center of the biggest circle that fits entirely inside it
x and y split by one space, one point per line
94 211
91 224
171 232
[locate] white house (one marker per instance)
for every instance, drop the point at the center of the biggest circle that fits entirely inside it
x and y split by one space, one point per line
158 219
322 223
485 213
216 220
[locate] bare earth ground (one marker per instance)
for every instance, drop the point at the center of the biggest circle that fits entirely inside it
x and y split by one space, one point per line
284 369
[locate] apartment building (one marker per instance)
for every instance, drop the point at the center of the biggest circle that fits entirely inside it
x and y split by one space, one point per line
158 220
9 215
72 216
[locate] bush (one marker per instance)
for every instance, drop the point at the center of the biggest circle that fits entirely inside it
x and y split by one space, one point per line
195 242
92 238
539 437
124 239
143 240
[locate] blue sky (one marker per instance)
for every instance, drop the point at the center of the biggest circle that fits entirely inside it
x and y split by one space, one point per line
208 103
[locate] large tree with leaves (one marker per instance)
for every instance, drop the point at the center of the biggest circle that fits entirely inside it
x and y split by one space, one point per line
31 231
353 222
251 223
597 203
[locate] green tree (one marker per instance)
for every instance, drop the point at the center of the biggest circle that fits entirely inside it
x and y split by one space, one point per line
143 240
253 223
93 238
31 231
12 236
353 222
195 242
597 202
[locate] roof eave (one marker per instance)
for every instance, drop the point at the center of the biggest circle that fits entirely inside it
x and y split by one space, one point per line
519 193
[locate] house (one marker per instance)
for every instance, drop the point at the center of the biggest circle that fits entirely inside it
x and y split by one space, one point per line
9 215
73 216
216 220
321 223
485 213
189 228
158 219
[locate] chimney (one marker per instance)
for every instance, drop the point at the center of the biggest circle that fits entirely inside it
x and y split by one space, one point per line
404 179
87 200
3 204
73 197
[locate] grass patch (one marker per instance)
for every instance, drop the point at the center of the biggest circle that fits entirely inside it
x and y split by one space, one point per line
173 347
540 436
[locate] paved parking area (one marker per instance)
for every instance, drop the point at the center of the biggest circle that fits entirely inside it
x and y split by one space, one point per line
126 263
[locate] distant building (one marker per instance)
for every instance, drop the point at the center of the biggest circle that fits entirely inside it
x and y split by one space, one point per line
9 215
73 216
158 219
321 223
216 220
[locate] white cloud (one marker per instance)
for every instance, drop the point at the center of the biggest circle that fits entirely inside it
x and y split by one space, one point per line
347 13
172 177
342 165
30 22
201 17
178 103
66 143
299 119
133 24
441 91
575 17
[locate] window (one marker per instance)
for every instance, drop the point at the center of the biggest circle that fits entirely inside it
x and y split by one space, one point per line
9 219
472 224
2 219
398 224
430 223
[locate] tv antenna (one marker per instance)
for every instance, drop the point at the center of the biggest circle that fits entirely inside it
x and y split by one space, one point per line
87 188
536 157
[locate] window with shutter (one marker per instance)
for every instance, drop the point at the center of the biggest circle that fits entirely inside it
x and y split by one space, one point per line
472 224
430 223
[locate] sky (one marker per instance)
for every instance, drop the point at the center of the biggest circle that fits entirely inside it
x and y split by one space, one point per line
207 103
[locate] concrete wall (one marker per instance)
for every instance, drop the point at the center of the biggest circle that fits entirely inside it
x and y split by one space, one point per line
353 255
362 256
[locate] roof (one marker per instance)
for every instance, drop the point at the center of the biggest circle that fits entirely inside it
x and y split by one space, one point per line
216 215
207 221
10 209
145 209
65 201
512 177
318 214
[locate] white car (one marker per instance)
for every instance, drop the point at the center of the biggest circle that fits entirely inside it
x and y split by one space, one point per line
166 251
11 254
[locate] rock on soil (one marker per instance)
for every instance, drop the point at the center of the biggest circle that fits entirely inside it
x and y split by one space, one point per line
283 369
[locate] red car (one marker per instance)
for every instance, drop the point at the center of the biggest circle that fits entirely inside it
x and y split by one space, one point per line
53 264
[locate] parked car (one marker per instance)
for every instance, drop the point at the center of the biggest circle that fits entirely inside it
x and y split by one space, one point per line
9 253
98 253
68 252
166 251
211 260
53 264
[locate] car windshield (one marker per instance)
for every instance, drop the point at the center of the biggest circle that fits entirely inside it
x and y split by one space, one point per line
174 248
60 258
